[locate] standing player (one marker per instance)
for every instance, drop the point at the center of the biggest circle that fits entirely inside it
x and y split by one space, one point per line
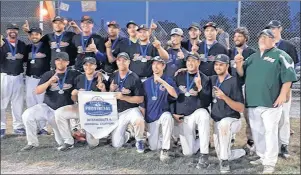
284 125
223 37
268 74
39 56
227 103
129 94
85 82
88 44
57 85
190 109
13 54
209 48
159 91
194 36
177 54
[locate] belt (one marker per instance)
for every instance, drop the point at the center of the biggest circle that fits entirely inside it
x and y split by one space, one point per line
11 74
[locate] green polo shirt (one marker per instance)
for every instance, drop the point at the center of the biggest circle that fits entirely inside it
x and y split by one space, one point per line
264 76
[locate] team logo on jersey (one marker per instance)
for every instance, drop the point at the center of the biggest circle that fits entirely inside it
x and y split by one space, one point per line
55 87
162 88
192 92
269 59
11 57
53 45
125 91
38 55
98 107
286 63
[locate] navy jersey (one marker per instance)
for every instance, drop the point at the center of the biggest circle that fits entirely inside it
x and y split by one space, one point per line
174 63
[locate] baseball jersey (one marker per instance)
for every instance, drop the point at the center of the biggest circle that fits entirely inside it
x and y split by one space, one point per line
207 66
155 108
63 42
232 89
38 62
186 105
174 63
289 48
130 85
187 45
264 76
52 97
12 57
82 83
81 43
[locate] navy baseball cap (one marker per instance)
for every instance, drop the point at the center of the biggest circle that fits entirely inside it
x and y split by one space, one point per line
194 56
129 23
273 24
158 58
87 18
62 55
12 26
123 55
210 24
35 29
58 18
267 32
142 27
194 25
222 58
113 23
89 60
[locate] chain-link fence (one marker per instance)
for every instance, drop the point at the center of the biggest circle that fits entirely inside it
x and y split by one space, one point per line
167 15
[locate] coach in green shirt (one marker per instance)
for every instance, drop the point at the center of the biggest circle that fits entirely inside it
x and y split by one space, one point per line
268 75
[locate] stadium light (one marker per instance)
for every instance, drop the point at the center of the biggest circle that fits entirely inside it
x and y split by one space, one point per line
44 12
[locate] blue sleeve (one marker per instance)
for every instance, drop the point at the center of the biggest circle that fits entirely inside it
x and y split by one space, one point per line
172 83
100 56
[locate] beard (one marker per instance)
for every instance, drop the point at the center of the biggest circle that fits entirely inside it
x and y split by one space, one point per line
12 35
59 30
239 44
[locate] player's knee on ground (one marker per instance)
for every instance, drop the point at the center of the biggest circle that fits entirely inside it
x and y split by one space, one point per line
28 115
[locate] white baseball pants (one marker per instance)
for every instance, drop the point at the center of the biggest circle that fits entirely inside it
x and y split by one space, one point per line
264 125
190 145
130 116
35 114
166 122
284 124
12 91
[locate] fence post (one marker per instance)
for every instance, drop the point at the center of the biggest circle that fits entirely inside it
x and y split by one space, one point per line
238 13
41 15
146 12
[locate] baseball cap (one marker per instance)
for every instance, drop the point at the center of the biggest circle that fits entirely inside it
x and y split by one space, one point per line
273 24
113 23
12 26
222 58
194 25
194 56
210 24
129 23
176 31
62 55
35 29
124 55
87 18
142 27
158 58
89 60
58 18
267 32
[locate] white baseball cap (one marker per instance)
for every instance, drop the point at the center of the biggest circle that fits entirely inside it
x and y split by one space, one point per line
176 31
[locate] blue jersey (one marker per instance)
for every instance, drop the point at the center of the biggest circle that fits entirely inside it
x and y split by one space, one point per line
156 98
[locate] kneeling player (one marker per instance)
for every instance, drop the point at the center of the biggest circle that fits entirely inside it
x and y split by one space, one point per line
226 105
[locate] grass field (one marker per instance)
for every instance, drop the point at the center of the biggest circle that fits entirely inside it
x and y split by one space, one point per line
108 160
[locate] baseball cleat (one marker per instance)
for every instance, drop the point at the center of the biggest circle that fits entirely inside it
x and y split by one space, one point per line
43 132
203 161
20 132
140 146
164 155
65 147
224 167
256 162
268 169
284 152
28 148
2 133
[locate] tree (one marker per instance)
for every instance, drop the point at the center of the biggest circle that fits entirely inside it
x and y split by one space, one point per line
220 20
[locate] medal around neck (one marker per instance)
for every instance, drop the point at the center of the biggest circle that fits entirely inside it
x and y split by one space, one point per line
58 50
61 91
214 100
154 98
187 94
32 61
143 59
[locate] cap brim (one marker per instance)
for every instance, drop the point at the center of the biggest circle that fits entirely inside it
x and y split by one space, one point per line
175 34
122 56
90 21
193 57
127 25
89 62
142 29
221 61
16 28
209 26
115 25
61 20
194 27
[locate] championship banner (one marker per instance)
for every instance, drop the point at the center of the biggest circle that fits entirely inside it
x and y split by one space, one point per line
88 6
98 112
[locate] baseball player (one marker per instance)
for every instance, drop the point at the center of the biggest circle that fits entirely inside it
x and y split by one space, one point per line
241 37
177 54
290 49
13 54
209 48
190 109
88 44
89 81
159 91
194 36
130 94
57 85
227 104
60 40
39 56
268 74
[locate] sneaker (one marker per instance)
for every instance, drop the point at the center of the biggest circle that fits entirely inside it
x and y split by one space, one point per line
65 147
284 152
140 146
268 169
292 132
250 147
224 166
2 133
164 155
92 147
237 153
28 148
43 132
203 161
20 131
256 162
